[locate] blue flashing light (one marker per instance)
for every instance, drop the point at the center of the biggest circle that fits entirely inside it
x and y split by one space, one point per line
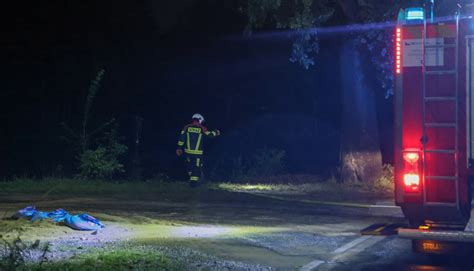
414 14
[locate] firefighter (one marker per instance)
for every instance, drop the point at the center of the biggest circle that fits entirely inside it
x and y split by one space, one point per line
191 141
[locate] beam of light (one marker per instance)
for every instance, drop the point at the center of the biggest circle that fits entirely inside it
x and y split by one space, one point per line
341 29
352 28
203 231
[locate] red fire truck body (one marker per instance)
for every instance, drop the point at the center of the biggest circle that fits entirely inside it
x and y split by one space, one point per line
434 68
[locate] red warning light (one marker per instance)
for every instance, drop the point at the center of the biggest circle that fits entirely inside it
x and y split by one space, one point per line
398 50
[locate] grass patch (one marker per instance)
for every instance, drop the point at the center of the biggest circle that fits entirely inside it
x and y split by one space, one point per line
36 191
312 187
30 231
69 186
123 258
75 187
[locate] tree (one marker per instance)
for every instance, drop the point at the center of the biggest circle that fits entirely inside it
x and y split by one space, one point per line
370 24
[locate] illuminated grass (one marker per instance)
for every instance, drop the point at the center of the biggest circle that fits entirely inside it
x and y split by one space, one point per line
327 190
286 188
384 184
30 231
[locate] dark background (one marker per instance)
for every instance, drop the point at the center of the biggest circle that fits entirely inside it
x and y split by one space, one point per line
164 63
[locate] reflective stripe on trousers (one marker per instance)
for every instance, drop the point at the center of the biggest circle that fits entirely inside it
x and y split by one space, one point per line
194 167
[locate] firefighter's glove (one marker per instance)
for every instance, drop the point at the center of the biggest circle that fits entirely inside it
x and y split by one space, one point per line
218 133
179 152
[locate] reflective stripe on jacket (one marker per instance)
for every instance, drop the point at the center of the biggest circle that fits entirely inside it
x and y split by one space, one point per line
191 138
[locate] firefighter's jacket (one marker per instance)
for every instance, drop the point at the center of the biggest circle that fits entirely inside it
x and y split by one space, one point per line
192 138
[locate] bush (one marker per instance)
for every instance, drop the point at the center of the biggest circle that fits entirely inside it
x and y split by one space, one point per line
14 254
104 160
384 184
97 164
263 163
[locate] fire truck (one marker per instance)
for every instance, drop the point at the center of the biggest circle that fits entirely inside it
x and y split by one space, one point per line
434 126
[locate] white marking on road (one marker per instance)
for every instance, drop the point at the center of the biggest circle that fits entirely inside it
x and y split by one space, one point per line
372 240
385 206
348 250
351 244
347 255
312 265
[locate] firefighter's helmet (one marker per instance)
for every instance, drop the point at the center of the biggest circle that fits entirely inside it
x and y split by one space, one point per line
199 117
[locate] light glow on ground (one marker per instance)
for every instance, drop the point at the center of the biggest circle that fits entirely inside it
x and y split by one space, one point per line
201 231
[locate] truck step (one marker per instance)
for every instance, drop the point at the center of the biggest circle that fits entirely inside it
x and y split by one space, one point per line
382 229
440 225
450 236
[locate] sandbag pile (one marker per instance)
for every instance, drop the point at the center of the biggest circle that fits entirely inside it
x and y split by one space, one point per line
82 222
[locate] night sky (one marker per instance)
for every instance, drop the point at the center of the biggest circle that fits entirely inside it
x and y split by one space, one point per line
163 62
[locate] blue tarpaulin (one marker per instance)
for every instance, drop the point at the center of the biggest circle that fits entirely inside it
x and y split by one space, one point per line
83 222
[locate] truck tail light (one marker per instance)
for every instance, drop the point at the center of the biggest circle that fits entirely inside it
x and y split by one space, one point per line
411 157
412 182
411 176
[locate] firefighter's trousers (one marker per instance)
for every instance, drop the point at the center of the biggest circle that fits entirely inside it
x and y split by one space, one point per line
194 167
